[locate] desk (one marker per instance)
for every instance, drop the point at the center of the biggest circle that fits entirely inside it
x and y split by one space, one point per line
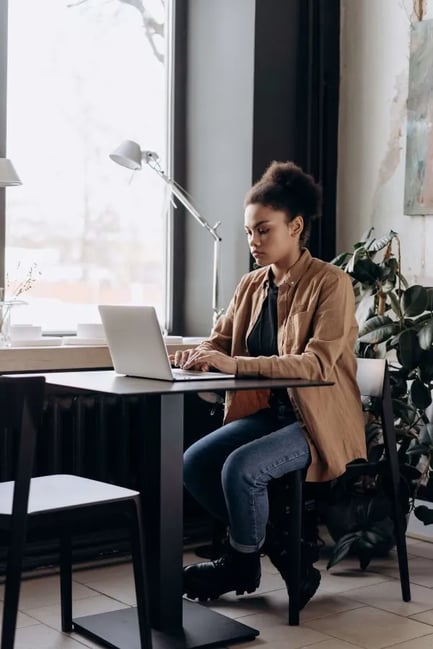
178 623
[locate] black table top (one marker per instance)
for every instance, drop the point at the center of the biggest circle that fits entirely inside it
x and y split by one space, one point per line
108 382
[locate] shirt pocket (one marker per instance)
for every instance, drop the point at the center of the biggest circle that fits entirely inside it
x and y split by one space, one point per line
299 332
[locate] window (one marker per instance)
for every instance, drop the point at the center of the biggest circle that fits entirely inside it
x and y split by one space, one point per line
83 75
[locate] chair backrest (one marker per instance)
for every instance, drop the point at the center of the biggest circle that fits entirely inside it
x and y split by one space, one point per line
370 376
373 381
21 406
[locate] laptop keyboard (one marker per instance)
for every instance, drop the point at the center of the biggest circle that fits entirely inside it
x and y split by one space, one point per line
197 374
180 372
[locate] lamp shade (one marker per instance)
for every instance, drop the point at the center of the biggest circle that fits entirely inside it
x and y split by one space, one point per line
128 154
8 175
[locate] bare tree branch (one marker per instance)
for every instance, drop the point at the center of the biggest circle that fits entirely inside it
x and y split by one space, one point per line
151 26
75 4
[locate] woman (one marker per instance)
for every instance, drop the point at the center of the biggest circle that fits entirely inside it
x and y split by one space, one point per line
292 317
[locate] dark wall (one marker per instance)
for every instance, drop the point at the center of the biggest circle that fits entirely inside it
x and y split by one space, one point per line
296 97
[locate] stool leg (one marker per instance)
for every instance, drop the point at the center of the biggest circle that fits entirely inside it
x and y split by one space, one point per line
12 588
66 578
140 577
295 540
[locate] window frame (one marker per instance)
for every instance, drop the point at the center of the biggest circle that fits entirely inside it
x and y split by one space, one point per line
3 105
175 119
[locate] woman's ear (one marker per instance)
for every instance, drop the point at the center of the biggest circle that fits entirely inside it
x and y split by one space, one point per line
297 225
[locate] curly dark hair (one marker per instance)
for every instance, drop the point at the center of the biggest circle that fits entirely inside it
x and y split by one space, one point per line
284 186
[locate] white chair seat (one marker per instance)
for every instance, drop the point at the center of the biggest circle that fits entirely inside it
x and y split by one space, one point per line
52 492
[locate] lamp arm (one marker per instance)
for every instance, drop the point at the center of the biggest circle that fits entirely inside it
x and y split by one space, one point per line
152 160
149 158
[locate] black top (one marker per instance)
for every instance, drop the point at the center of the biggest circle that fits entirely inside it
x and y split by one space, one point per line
262 341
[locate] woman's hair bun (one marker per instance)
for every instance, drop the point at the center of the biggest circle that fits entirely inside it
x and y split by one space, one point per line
281 173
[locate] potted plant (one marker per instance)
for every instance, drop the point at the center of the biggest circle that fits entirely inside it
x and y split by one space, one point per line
395 320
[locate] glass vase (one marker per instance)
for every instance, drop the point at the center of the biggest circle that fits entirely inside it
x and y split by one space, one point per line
5 324
6 307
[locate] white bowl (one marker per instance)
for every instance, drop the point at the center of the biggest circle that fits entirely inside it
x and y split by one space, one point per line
25 332
90 330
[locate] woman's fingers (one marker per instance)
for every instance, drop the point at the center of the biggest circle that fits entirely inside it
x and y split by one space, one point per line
193 359
182 357
190 359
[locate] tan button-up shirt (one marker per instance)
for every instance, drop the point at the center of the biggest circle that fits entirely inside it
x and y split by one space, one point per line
316 337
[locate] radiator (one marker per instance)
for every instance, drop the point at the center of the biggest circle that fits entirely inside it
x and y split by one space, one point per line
91 436
102 437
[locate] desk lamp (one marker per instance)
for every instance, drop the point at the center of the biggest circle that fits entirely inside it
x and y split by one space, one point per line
128 154
8 175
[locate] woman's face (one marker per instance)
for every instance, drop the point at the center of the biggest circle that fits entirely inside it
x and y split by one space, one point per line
271 238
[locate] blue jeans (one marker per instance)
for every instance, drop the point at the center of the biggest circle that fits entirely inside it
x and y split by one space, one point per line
228 471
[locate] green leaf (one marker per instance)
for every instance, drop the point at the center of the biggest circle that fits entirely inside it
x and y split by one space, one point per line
395 304
429 291
426 366
425 335
377 329
408 350
380 244
424 514
340 260
374 323
426 373
387 285
398 387
365 271
414 300
359 245
342 548
420 394
421 320
405 411
365 309
426 435
389 269
357 254
418 449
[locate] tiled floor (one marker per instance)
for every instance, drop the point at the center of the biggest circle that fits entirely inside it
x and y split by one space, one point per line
351 609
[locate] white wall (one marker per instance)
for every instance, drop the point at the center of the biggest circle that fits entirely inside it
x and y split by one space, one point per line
375 39
220 89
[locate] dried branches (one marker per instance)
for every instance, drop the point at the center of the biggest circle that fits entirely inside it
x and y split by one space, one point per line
152 27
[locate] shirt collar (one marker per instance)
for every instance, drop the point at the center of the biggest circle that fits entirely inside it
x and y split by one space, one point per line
294 273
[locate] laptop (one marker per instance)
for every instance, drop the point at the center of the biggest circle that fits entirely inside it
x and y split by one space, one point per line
137 345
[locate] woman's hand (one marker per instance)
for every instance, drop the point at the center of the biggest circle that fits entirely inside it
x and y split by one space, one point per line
199 359
180 358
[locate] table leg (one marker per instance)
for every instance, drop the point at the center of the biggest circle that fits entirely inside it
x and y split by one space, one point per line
178 623
169 578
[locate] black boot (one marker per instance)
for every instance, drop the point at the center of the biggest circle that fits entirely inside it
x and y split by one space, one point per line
238 571
277 552
277 544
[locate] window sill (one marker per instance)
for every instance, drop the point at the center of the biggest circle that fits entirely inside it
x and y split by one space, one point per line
46 359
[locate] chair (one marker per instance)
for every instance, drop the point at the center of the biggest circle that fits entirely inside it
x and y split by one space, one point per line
373 380
61 500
